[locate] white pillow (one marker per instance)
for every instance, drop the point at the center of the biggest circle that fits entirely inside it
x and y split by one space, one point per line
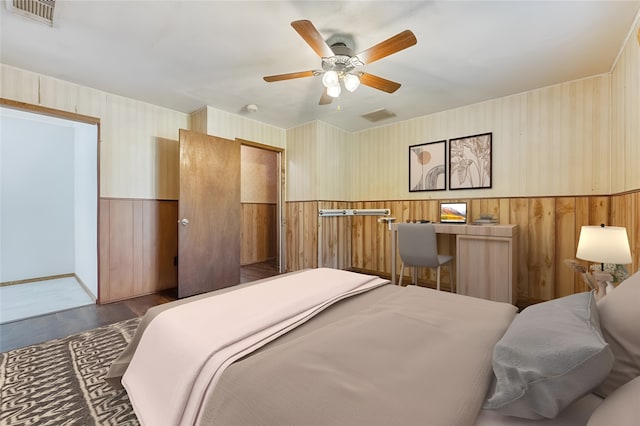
552 354
619 314
621 408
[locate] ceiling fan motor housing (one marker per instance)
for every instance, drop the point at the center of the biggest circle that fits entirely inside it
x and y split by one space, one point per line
344 60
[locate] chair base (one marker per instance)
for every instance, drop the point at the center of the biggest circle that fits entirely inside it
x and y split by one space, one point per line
414 276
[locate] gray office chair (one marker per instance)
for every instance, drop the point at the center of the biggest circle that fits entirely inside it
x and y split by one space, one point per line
418 247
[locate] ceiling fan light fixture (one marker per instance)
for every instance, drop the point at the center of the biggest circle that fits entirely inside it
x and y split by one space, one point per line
330 78
334 90
351 82
340 64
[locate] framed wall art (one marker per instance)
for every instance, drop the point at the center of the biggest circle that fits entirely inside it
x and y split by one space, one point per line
427 170
470 162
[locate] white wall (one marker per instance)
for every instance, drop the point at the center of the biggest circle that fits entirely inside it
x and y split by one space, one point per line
37 178
48 198
86 204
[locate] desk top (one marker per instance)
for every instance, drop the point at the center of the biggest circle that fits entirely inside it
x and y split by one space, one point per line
484 230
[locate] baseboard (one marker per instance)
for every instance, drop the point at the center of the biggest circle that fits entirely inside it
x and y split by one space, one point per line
33 280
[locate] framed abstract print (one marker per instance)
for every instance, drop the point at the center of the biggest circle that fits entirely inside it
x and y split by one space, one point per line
427 167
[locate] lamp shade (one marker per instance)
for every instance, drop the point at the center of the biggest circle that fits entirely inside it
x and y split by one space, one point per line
604 244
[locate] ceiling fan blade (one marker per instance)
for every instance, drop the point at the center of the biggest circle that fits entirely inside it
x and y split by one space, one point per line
313 38
325 99
388 47
289 76
379 83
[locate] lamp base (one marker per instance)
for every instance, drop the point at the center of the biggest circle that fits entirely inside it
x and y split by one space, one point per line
603 279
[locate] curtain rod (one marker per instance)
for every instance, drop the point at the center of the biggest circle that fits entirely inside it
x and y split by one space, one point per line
353 212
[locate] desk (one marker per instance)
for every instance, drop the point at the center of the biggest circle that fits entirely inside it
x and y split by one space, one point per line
486 259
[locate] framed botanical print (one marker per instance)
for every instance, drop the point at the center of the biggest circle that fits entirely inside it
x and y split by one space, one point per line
427 170
470 162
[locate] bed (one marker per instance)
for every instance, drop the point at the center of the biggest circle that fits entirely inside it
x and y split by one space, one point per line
349 349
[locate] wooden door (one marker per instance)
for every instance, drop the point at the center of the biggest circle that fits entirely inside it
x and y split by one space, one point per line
209 213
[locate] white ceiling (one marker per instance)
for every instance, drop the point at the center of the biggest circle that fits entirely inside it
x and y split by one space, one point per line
186 54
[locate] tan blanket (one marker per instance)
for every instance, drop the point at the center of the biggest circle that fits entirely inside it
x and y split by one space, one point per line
184 350
392 356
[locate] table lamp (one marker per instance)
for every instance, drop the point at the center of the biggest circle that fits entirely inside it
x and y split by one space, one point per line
604 244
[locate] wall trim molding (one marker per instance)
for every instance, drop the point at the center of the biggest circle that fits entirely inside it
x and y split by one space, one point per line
37 279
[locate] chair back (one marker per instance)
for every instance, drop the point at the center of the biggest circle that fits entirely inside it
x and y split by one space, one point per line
417 244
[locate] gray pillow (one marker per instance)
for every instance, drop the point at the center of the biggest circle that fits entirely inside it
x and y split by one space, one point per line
552 354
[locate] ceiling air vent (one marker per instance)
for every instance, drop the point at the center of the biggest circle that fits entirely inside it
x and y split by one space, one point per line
40 10
378 115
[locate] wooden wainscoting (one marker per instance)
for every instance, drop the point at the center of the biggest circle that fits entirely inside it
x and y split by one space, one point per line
549 229
301 235
138 239
138 245
625 211
334 235
304 231
258 240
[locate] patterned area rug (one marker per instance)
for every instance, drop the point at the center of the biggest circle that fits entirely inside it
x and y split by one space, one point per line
60 382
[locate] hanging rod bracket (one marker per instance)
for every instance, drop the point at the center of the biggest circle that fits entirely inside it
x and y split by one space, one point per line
353 212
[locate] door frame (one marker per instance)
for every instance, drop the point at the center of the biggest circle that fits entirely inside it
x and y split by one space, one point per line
71 116
280 249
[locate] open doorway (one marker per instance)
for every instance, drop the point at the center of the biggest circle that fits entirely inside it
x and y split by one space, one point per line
48 213
261 199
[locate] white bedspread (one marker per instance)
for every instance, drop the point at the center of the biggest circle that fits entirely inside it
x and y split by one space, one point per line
184 350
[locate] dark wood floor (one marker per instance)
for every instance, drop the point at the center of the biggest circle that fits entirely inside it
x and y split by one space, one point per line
30 331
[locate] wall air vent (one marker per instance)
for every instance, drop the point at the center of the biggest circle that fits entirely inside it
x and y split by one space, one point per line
39 10
377 115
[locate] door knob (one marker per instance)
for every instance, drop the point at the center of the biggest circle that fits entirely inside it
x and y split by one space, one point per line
183 222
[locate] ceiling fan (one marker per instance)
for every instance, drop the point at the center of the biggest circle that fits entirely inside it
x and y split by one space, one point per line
341 65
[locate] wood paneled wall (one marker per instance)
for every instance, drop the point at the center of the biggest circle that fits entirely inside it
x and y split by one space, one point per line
231 126
301 235
549 228
139 241
138 238
138 244
553 141
302 167
334 235
258 239
625 211
625 117
319 157
259 175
